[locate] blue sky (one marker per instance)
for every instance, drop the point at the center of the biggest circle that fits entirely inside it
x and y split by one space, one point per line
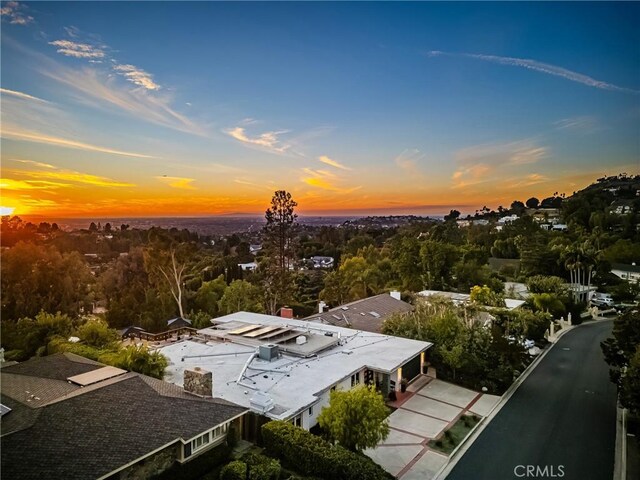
197 108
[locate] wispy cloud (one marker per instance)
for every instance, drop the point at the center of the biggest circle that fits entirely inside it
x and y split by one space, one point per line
70 48
21 95
37 137
177 182
97 90
137 76
242 181
540 67
528 181
73 32
326 180
98 86
409 159
53 178
333 163
269 141
478 163
14 13
34 163
12 184
580 124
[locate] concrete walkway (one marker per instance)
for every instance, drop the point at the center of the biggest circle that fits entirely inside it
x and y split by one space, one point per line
424 412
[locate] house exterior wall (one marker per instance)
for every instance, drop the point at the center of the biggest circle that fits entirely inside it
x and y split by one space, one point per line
310 420
632 277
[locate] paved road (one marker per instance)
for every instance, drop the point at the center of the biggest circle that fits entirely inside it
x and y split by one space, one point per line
563 415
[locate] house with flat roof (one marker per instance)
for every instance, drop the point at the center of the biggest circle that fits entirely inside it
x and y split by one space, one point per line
285 369
464 298
367 314
68 417
630 273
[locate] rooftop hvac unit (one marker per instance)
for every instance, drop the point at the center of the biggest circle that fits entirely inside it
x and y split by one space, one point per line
268 352
301 340
261 402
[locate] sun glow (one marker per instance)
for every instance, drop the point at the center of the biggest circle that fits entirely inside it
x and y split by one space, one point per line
6 210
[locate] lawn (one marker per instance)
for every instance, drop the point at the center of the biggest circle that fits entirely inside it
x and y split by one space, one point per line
451 438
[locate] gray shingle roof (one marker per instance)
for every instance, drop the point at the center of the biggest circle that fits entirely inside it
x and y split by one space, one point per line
97 430
367 314
56 367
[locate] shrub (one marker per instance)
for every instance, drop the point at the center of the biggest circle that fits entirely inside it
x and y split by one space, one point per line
235 470
232 436
261 467
16 355
311 455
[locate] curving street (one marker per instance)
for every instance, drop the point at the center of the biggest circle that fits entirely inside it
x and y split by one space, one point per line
560 423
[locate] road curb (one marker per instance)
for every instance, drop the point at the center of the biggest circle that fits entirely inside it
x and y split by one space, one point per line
475 433
620 463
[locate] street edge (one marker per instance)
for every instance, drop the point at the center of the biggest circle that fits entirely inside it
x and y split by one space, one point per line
475 433
620 463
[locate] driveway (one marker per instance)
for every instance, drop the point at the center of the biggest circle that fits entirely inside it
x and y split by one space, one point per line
429 407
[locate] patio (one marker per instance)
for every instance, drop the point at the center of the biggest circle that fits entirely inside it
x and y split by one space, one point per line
424 412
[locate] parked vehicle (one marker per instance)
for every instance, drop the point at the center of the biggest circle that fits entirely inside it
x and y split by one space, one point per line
602 300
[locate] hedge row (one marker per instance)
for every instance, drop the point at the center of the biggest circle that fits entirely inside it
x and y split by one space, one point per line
311 455
251 467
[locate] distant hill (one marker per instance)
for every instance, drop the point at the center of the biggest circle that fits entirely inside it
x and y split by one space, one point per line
611 203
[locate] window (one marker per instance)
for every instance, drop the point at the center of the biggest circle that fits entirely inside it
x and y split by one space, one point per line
355 379
200 442
297 421
311 410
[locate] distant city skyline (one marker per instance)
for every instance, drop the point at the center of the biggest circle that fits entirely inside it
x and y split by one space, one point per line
134 109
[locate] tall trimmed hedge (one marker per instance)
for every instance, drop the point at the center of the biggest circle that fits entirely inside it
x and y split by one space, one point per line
311 455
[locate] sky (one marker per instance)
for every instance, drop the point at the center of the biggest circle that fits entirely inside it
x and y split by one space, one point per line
194 108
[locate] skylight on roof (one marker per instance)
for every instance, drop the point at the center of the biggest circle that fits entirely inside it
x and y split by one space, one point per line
375 314
95 376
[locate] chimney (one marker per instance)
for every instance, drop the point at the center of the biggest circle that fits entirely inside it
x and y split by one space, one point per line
395 294
321 306
286 312
198 382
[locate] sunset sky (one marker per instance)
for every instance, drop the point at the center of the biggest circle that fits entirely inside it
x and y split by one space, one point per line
169 108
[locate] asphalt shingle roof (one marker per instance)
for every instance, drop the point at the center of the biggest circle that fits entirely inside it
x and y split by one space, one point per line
55 367
367 314
97 430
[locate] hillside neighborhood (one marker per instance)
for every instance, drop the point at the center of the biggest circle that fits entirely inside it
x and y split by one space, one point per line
312 240
436 356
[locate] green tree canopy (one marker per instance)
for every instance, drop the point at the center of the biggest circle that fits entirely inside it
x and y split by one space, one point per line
96 333
621 351
241 296
485 296
356 418
209 294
